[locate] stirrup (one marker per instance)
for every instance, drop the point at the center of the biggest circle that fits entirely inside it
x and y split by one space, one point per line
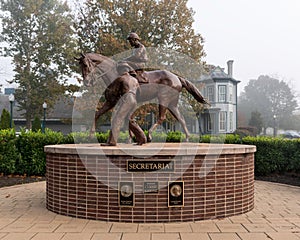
133 74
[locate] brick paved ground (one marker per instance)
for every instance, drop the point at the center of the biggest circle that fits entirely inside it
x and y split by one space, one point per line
276 216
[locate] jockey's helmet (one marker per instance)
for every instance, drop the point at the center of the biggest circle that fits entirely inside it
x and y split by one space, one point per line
133 35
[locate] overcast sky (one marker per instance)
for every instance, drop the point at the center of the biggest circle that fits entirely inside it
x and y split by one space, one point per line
261 36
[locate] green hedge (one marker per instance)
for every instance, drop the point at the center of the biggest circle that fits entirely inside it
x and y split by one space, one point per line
9 154
31 148
275 155
24 154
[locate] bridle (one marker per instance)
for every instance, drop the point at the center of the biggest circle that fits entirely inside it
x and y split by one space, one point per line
93 74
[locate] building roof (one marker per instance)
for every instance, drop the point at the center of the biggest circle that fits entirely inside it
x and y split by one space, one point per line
217 73
63 108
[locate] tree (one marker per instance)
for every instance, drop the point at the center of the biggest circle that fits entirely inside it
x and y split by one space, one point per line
270 97
36 124
256 121
103 26
292 123
5 120
40 41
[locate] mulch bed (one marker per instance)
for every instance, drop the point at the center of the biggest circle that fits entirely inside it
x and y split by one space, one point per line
11 180
288 178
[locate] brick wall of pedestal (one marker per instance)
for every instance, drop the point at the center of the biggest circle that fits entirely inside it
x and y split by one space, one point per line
216 189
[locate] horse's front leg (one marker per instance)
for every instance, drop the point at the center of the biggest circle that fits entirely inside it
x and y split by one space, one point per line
104 109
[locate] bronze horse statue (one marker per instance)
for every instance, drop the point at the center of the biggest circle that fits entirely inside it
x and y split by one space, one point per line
162 84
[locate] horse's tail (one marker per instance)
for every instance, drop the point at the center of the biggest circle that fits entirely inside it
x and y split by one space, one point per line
192 89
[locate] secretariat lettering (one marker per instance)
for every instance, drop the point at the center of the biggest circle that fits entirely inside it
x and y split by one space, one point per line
150 165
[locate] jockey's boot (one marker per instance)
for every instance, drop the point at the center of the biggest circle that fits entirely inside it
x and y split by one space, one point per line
141 77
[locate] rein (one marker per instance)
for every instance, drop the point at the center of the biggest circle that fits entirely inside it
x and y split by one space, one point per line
95 76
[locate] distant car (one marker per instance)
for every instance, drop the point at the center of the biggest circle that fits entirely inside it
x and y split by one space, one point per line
291 134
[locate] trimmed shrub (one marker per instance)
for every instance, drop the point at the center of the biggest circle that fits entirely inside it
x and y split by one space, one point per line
102 137
84 137
213 138
275 155
5 119
36 124
175 137
31 147
158 137
233 139
78 137
25 154
195 138
9 154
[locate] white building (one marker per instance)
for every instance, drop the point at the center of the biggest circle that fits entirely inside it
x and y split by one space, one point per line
221 91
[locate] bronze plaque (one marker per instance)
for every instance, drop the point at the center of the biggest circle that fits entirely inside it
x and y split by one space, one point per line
126 194
176 194
150 187
141 165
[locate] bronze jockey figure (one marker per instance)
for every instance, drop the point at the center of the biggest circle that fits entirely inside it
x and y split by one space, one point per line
138 59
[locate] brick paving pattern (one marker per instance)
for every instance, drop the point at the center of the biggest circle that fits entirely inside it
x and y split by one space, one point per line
276 216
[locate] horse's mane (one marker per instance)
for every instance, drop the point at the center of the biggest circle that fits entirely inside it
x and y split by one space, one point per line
98 58
103 65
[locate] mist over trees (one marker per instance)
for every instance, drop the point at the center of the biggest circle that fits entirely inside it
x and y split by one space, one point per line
272 99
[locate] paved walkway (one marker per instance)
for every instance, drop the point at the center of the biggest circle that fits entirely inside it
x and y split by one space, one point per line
276 216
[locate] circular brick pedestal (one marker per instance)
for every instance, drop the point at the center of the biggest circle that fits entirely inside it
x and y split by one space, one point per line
84 181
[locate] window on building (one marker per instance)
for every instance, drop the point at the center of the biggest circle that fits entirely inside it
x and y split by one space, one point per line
211 122
210 94
231 121
222 119
222 93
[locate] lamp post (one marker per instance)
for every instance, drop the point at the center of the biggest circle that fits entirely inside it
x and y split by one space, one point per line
44 121
11 99
274 133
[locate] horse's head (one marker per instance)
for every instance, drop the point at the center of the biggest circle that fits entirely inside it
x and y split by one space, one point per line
95 67
87 66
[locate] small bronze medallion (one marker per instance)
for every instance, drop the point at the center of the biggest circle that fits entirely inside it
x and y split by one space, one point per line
176 194
126 194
